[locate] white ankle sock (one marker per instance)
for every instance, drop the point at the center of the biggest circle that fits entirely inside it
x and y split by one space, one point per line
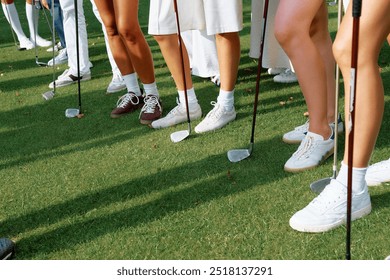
11 15
151 89
192 100
32 20
226 99
358 177
131 82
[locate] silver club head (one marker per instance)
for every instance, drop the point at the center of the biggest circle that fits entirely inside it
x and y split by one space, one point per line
319 185
179 136
71 112
48 95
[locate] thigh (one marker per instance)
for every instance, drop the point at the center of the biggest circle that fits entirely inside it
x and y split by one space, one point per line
297 14
126 13
106 12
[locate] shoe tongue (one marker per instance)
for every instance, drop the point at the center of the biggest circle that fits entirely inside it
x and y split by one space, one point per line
315 136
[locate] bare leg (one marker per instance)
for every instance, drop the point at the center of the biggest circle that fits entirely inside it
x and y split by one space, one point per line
228 49
118 48
126 12
297 41
170 50
369 103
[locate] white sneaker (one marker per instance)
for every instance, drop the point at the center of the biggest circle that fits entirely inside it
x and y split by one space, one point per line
312 151
56 47
67 78
178 115
298 134
218 117
117 84
61 58
26 44
40 42
329 209
275 71
378 173
286 77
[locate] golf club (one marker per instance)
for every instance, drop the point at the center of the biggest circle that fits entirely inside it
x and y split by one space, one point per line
12 31
356 13
183 134
240 154
50 94
319 185
73 112
37 62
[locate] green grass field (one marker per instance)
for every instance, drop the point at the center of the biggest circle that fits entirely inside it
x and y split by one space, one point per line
102 188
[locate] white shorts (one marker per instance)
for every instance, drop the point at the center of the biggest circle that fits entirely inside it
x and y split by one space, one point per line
216 16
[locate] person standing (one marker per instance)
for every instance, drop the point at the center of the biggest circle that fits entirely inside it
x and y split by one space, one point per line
133 57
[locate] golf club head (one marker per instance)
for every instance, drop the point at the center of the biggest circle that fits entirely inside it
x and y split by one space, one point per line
42 64
179 136
71 112
238 155
319 185
48 95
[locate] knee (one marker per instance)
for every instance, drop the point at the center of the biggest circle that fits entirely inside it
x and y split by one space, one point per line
129 33
111 30
284 33
342 52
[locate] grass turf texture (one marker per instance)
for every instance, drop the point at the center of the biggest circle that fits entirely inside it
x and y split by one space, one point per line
102 188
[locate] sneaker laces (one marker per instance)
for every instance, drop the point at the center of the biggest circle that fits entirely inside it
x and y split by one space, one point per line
177 110
216 113
306 148
151 101
332 193
125 99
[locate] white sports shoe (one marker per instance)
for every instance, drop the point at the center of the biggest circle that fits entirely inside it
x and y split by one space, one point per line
67 78
329 209
286 77
56 47
61 58
218 117
40 42
312 151
275 71
298 134
178 115
117 84
26 44
378 173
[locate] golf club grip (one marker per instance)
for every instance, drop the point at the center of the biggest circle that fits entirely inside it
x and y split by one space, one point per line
356 8
180 42
259 67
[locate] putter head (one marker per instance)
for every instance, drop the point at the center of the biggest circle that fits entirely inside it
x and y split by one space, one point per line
319 185
179 136
48 95
71 112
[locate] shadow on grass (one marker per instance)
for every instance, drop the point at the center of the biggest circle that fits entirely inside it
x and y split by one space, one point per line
223 179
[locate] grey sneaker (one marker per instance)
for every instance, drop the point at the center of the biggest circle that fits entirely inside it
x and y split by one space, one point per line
298 134
312 151
286 77
217 118
178 115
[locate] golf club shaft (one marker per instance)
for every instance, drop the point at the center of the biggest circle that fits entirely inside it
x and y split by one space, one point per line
53 40
259 67
77 53
336 104
180 42
356 12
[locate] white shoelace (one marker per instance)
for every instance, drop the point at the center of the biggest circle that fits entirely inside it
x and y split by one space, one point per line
151 101
306 148
216 113
125 99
